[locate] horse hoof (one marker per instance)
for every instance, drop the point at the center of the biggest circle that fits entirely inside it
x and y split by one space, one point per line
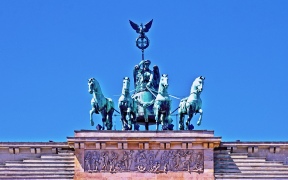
92 123
190 127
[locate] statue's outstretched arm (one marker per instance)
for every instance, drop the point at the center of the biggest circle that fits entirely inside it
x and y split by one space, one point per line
141 62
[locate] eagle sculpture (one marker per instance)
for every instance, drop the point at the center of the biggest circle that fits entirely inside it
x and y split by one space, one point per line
140 28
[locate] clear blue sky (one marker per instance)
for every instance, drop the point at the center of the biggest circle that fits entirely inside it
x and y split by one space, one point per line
48 50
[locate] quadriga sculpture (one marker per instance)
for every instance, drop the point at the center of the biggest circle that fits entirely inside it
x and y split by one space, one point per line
162 104
127 106
192 104
100 104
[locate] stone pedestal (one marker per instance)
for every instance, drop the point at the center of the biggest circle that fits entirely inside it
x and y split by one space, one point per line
144 154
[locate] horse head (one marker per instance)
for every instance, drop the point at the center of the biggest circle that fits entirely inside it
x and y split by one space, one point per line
197 86
126 85
91 85
164 81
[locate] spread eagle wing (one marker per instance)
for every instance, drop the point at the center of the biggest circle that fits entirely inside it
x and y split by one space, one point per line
135 26
156 77
148 26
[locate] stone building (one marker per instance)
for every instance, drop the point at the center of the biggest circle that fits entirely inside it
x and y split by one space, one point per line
131 155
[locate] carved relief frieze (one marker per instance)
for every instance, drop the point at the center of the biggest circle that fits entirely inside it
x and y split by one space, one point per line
145 161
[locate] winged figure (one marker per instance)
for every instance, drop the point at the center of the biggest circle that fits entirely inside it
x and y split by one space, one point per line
140 28
156 77
145 77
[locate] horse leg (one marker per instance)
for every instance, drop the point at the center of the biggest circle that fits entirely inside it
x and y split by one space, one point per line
188 120
123 120
200 117
181 121
103 122
129 122
156 112
109 121
169 121
146 126
190 115
182 111
103 114
129 119
121 114
133 119
166 117
156 119
91 116
162 119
